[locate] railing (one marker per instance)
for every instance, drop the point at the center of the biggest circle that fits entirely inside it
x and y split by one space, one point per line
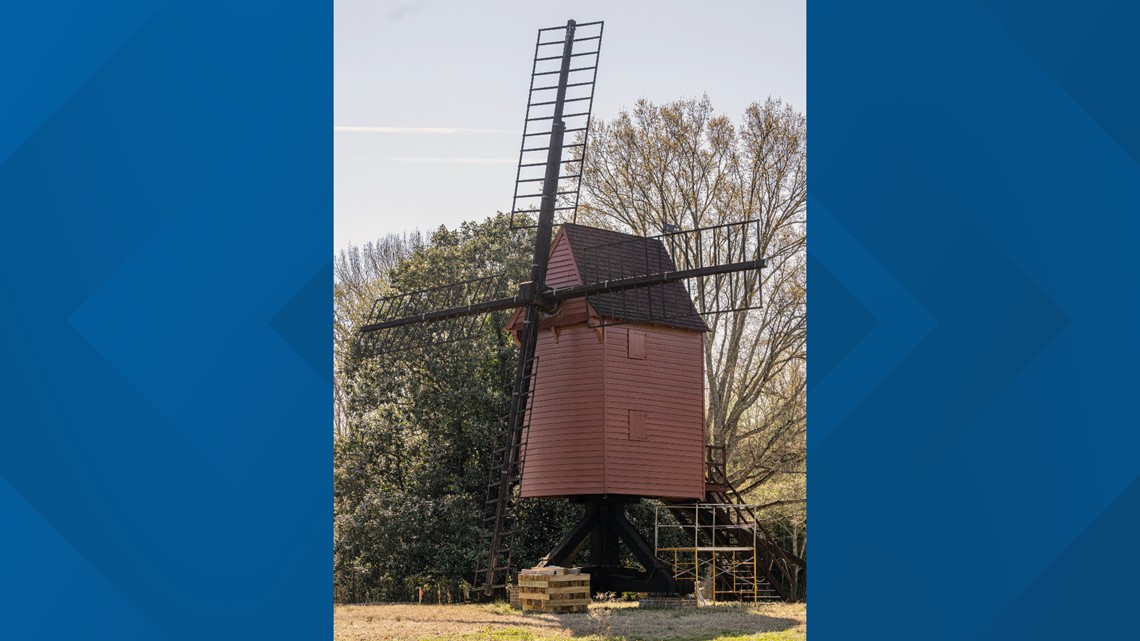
715 471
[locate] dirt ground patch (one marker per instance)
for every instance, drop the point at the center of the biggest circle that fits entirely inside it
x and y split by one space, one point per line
609 622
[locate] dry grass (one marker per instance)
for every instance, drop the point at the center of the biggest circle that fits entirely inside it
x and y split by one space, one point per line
609 622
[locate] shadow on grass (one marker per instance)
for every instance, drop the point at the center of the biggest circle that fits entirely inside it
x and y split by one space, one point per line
692 624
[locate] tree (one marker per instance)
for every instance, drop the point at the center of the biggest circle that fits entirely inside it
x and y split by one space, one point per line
420 427
360 275
680 163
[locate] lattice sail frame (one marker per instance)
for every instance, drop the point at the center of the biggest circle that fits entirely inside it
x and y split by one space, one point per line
549 49
679 250
419 302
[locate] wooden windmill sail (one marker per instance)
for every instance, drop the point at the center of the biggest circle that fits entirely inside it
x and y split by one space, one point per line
597 301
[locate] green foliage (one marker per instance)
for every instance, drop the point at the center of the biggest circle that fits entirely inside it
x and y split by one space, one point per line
410 467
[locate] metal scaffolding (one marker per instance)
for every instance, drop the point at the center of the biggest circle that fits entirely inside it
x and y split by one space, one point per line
720 572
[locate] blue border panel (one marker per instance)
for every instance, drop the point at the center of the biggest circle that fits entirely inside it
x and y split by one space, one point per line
974 213
165 313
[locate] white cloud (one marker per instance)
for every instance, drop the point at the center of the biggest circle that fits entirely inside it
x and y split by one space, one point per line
419 130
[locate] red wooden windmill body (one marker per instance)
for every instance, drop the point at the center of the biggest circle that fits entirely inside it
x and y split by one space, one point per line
619 408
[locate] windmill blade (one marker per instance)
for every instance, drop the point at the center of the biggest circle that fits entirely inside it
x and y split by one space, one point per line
578 44
550 141
433 316
736 244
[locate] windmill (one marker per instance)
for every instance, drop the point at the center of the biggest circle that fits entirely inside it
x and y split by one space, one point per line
599 306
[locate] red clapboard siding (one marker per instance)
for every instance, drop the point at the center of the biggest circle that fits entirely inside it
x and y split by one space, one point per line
666 387
566 436
561 271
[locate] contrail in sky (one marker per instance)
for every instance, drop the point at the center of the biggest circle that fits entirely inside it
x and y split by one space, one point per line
454 161
419 130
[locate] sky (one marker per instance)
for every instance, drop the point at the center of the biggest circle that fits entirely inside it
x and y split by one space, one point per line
430 95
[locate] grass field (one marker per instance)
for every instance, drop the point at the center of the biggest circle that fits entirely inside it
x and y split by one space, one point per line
604 622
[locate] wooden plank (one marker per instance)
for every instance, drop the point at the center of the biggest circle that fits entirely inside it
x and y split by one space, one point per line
556 601
547 571
569 577
570 589
538 587
560 575
554 582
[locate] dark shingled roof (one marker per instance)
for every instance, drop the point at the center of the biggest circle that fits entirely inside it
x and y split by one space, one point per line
603 255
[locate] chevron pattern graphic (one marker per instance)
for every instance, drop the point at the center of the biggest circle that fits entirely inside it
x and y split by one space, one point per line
165 313
974 447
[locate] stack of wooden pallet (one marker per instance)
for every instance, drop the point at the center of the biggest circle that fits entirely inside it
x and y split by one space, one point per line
554 589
